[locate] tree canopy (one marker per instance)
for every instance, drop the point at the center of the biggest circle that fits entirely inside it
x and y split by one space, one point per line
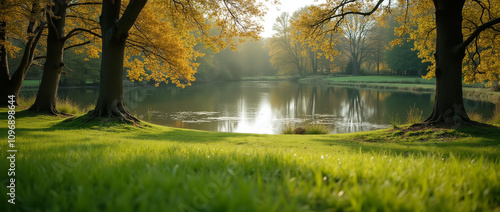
458 37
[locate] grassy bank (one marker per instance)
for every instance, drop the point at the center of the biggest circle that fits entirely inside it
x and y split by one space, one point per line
266 78
413 84
97 166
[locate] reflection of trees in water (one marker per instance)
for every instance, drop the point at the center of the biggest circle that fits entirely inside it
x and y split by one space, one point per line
227 126
237 105
352 109
354 106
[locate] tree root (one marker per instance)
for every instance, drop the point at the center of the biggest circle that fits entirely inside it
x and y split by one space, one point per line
49 111
112 111
449 122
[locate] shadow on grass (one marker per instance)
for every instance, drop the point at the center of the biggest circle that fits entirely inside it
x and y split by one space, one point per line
182 135
143 132
463 142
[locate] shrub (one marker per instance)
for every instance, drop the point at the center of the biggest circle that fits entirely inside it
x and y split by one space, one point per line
395 121
290 128
475 117
68 106
287 128
415 115
496 118
299 130
26 101
316 129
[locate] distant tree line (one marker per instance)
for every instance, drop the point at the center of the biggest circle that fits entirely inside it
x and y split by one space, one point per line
361 46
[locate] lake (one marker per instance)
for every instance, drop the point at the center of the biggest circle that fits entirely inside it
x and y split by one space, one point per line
265 107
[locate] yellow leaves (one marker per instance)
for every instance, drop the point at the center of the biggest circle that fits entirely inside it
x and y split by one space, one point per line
479 64
136 70
166 33
93 51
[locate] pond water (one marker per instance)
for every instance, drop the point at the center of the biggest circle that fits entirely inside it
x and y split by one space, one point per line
265 107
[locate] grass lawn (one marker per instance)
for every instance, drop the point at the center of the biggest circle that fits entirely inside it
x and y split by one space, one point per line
98 166
263 78
31 83
383 79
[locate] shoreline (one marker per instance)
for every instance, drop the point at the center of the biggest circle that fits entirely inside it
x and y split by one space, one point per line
481 94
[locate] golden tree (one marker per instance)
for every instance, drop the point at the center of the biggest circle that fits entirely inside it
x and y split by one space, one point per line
448 33
179 25
21 21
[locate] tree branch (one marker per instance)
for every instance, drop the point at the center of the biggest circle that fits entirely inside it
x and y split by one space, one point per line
77 45
84 3
333 13
75 31
477 32
40 57
130 15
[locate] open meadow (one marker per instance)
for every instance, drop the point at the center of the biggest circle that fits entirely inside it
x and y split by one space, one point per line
66 165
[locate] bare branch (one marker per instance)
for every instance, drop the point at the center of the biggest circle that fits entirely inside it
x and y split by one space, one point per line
40 57
338 12
84 3
77 45
76 31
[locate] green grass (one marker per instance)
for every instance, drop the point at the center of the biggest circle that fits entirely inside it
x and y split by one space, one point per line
99 166
263 78
64 106
383 79
31 83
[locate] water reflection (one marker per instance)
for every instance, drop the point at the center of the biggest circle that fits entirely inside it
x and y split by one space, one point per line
264 107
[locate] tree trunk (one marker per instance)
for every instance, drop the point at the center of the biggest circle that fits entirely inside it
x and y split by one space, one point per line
355 67
110 103
47 92
11 85
4 65
448 104
378 62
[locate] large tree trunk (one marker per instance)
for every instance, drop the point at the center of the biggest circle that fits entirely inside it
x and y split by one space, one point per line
110 103
47 92
448 104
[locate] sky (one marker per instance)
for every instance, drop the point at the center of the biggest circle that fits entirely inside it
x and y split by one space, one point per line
289 6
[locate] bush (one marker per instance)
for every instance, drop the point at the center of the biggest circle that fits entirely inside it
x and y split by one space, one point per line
395 121
290 128
415 115
26 101
299 130
287 128
63 106
68 106
316 129
475 117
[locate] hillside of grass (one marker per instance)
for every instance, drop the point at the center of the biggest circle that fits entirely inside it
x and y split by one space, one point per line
64 164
